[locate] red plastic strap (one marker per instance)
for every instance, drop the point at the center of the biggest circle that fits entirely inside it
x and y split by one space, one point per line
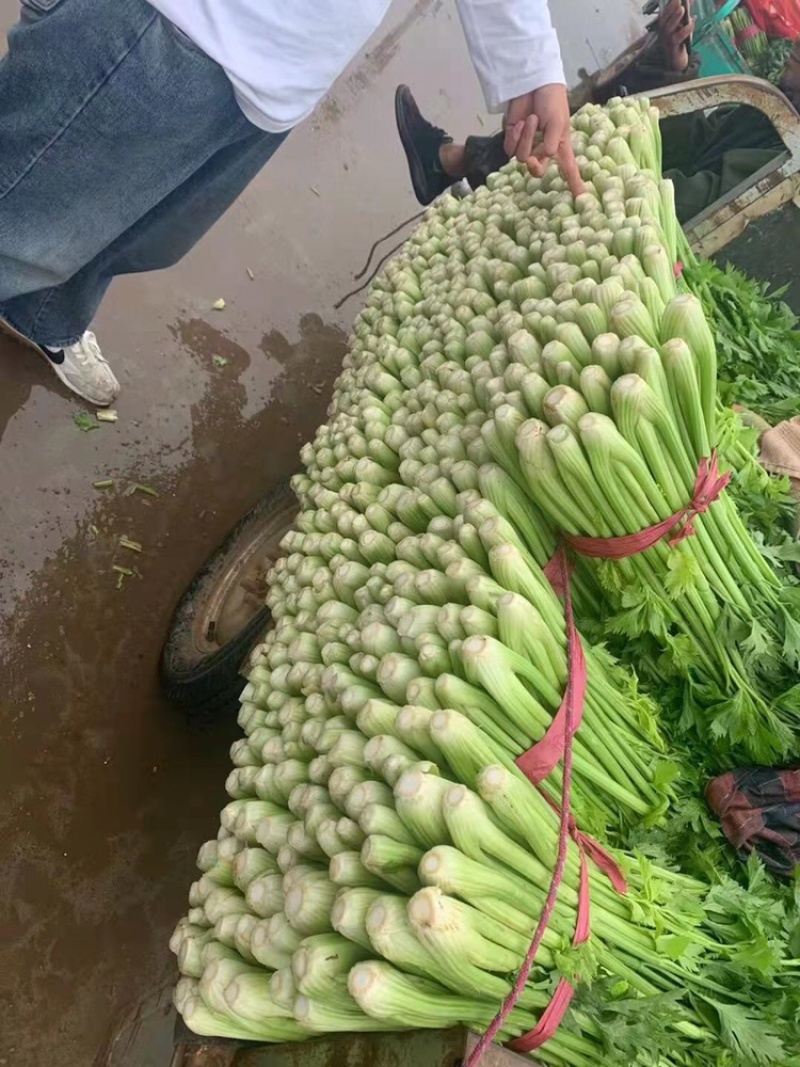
554 1013
556 575
677 269
707 488
747 33
563 844
570 715
542 758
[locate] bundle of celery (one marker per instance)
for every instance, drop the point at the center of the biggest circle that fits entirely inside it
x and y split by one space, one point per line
383 862
766 56
611 440
394 898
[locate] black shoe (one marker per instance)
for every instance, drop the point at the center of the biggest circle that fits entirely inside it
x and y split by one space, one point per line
421 142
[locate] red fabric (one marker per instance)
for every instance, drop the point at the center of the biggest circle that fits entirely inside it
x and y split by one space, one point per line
777 18
759 808
707 488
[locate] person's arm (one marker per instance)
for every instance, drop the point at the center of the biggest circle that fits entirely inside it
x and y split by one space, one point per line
517 58
513 46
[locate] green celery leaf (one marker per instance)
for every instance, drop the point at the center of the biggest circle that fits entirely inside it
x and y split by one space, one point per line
746 1035
684 574
791 640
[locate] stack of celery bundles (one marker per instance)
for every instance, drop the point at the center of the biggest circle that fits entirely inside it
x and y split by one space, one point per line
526 366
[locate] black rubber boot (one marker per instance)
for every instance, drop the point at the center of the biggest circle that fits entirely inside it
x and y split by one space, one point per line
421 142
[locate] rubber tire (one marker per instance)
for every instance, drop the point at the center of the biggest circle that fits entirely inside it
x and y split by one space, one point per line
212 685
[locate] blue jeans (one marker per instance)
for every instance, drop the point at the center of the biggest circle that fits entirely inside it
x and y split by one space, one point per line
120 145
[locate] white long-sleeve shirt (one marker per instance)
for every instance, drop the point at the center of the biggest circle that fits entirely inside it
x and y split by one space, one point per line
282 56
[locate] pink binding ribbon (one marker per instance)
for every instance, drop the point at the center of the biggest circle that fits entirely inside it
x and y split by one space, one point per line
553 1015
707 488
536 764
572 708
543 757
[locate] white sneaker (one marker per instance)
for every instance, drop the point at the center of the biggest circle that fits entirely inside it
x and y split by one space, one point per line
81 367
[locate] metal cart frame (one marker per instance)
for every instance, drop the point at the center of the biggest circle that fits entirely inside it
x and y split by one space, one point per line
770 188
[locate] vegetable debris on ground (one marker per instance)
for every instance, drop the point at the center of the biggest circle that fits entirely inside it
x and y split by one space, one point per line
84 421
526 367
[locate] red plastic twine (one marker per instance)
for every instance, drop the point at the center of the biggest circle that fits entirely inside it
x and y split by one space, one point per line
747 34
556 745
571 713
707 488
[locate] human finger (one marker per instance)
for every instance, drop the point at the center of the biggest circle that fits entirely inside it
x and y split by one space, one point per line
525 144
511 140
553 134
568 165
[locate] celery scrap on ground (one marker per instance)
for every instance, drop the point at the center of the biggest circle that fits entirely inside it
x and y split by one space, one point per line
84 421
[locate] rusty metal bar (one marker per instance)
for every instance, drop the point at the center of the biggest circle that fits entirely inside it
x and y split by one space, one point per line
768 189
731 89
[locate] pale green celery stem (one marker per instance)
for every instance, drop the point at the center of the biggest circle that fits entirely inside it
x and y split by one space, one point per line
725 516
614 752
500 449
485 713
525 923
565 511
657 458
630 517
578 522
705 607
614 701
730 538
616 930
685 387
522 629
518 577
526 711
515 506
601 746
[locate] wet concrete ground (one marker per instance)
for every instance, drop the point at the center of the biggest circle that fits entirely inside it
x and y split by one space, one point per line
107 791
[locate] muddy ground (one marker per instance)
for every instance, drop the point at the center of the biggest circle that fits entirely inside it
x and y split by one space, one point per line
107 791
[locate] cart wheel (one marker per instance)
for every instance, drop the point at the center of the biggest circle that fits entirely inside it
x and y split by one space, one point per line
222 615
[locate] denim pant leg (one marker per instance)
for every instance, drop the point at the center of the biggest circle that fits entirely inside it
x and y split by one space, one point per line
60 314
99 150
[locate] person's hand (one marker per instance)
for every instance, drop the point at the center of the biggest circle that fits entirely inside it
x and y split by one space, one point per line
674 35
544 111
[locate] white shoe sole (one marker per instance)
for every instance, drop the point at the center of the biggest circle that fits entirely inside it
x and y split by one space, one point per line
7 328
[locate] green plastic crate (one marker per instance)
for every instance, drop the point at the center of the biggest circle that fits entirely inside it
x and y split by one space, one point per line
717 52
